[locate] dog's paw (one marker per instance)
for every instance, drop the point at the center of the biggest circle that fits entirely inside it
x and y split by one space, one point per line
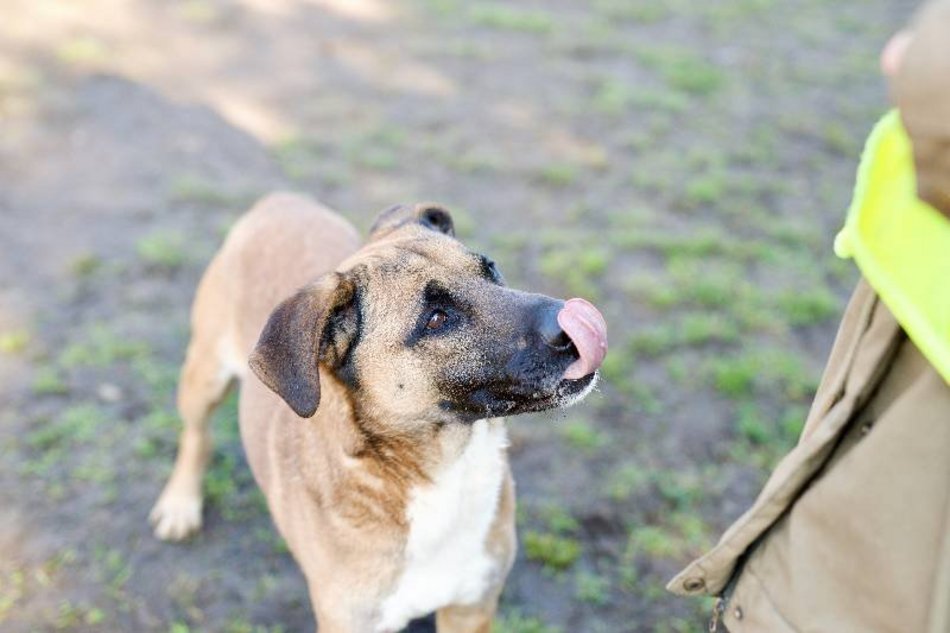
175 517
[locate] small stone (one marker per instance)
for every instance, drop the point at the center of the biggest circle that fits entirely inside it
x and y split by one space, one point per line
109 392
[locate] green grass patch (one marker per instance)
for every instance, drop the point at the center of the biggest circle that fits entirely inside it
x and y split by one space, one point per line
555 553
683 69
576 267
706 285
77 424
556 518
48 381
220 481
582 436
767 370
516 622
701 328
14 342
558 175
643 398
297 157
626 481
164 250
692 329
160 376
640 11
197 190
613 97
102 346
238 624
681 533
71 615
592 588
377 158
736 377
751 424
268 535
628 576
653 541
803 308
679 368
379 148
693 530
793 421
85 266
509 18
704 190
655 340
762 438
839 140
476 162
680 489
704 243
618 365
658 100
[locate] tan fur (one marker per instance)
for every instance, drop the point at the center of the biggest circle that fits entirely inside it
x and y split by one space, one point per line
336 487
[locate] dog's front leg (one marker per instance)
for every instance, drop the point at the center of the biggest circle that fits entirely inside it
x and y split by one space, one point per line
203 383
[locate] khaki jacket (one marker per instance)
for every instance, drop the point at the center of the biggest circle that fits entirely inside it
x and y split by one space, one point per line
852 531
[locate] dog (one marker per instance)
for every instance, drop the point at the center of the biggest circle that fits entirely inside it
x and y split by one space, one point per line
371 412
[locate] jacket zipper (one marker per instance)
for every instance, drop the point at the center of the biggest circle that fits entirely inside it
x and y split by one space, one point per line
723 600
717 615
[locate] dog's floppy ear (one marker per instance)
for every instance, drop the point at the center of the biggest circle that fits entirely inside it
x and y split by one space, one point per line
308 328
429 215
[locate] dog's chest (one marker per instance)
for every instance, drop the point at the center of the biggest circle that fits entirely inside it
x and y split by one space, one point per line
446 560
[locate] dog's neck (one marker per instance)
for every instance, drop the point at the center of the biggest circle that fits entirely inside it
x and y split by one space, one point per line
371 455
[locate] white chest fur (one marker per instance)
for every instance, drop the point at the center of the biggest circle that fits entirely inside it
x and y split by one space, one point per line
446 559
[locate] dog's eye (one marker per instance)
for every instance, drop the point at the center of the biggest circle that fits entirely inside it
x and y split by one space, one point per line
437 320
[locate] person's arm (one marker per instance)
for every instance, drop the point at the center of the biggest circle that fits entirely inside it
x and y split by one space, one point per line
920 86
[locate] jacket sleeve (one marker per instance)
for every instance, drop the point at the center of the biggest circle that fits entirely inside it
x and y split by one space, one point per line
921 90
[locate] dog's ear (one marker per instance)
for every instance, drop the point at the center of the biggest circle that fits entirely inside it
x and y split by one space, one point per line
429 215
436 218
315 325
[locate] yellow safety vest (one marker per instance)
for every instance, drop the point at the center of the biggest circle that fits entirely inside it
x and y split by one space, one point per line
900 243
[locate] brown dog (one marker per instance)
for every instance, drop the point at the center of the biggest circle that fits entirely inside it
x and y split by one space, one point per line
394 492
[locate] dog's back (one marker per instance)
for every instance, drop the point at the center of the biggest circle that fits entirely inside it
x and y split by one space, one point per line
285 241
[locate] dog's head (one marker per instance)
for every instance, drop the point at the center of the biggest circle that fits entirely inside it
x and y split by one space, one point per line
421 329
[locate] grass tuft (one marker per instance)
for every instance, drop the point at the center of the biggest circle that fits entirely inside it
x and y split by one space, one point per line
505 17
555 553
515 622
682 69
592 588
14 342
163 250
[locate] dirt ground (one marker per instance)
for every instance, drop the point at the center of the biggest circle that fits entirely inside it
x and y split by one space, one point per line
685 165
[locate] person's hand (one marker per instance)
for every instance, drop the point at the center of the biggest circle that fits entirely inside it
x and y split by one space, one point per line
916 62
893 53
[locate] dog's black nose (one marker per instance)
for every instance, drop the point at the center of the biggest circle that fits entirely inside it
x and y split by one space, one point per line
550 331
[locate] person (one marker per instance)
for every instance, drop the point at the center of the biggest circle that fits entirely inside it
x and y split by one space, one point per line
851 533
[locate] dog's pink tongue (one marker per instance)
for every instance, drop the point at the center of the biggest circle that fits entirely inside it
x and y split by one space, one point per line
585 326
